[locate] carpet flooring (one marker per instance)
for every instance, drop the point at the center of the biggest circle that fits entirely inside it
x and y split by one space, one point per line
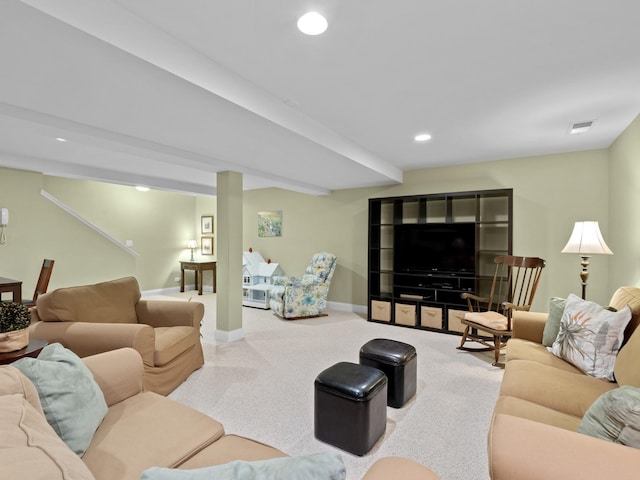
262 387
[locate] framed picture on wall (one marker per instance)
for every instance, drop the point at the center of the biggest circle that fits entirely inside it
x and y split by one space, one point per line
206 224
270 224
206 245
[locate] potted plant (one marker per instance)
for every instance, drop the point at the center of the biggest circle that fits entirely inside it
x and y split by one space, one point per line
14 326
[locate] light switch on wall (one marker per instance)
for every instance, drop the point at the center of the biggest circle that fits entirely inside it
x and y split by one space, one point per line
128 243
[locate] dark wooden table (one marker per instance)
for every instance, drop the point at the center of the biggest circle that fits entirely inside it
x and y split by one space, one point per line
31 350
12 286
199 268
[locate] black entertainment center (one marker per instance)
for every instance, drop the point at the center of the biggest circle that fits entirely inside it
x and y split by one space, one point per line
426 250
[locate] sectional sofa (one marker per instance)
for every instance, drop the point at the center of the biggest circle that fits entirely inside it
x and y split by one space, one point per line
542 402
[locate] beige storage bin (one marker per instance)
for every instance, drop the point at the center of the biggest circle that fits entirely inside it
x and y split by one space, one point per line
431 317
380 310
405 314
455 317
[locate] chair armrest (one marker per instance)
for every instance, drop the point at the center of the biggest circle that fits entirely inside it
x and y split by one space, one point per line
474 297
119 373
528 325
86 339
399 467
514 307
160 313
521 449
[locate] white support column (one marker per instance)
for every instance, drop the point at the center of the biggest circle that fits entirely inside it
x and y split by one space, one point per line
229 262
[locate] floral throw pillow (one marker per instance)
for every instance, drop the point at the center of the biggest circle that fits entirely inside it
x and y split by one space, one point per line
590 336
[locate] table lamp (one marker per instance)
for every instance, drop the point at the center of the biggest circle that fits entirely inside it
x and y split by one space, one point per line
586 240
192 244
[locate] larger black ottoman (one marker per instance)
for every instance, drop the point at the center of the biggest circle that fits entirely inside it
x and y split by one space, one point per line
399 363
350 407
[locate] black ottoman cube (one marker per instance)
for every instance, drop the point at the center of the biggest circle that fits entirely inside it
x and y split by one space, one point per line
350 407
399 363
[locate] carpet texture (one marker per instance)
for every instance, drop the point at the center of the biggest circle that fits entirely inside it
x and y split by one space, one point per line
262 387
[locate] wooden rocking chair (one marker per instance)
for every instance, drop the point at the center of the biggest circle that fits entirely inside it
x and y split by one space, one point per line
514 285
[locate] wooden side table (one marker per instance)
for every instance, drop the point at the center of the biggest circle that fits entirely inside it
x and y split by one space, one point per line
32 350
12 286
199 268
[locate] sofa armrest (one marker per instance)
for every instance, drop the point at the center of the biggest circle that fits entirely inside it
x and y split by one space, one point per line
119 373
529 325
521 449
399 467
86 339
160 313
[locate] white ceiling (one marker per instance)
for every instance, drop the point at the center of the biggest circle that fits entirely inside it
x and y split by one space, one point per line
166 93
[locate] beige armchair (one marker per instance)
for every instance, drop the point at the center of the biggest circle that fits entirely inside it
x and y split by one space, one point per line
92 319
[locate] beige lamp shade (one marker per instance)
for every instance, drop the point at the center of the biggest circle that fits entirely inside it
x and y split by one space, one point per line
586 239
192 244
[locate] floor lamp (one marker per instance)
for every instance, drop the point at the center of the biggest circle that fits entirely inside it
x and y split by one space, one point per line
586 240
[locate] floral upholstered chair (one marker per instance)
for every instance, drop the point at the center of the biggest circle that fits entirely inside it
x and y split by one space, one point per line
293 298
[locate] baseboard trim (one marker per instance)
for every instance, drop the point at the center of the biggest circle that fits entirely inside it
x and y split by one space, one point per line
224 336
347 307
187 288
343 307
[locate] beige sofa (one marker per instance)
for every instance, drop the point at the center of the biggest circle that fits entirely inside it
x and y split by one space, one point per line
141 429
97 318
542 401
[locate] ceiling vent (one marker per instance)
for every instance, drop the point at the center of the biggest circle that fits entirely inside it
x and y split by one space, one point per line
580 127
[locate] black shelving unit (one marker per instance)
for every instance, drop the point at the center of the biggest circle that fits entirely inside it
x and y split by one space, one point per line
432 299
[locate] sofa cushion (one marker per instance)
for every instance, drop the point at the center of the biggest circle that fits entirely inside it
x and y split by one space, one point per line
552 326
571 393
615 416
538 413
72 402
626 368
108 302
398 467
590 336
519 349
229 448
320 466
171 342
628 296
148 430
29 448
525 450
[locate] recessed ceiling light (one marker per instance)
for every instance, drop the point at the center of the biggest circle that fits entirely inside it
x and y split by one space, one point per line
580 127
422 137
140 188
312 23
60 139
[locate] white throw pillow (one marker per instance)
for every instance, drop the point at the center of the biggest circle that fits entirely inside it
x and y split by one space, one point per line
590 336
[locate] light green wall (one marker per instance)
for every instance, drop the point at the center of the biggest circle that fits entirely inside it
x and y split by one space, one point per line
624 198
550 193
159 223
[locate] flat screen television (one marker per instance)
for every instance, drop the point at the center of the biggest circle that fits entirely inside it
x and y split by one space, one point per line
428 247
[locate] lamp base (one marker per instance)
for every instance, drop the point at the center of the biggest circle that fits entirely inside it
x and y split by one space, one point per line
584 274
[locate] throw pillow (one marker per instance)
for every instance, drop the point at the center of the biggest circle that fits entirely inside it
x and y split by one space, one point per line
552 327
321 466
72 401
615 416
590 336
